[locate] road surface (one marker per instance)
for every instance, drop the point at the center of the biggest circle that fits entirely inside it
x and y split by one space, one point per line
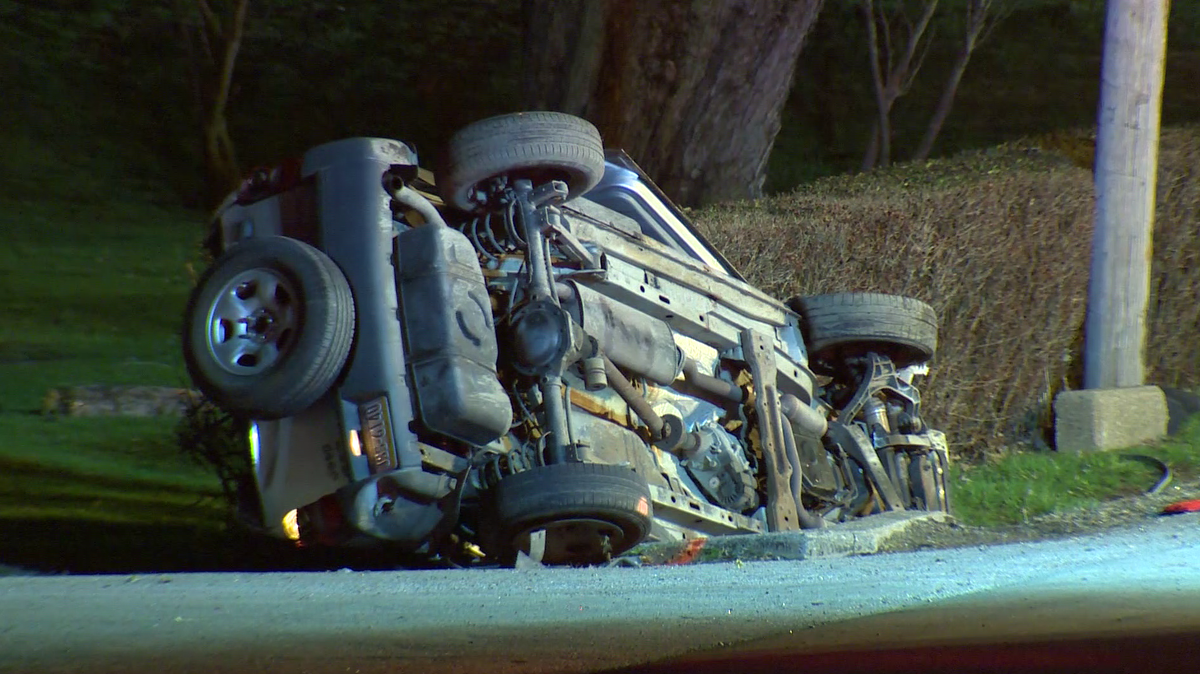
1138 580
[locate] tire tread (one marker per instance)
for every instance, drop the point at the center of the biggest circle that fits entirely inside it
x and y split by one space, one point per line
842 320
498 145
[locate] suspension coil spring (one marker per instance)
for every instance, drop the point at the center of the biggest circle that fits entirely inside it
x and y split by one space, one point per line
489 238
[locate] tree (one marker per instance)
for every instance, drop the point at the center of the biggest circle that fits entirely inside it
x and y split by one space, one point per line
982 16
692 91
1131 81
220 39
892 68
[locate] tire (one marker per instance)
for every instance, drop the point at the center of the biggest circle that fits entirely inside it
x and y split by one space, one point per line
541 146
845 325
577 504
268 329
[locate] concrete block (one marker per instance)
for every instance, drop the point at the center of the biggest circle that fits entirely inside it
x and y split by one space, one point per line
1104 419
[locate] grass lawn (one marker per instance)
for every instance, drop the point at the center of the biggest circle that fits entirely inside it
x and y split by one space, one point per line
94 295
1021 485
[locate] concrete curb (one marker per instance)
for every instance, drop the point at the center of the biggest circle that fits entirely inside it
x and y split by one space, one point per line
863 536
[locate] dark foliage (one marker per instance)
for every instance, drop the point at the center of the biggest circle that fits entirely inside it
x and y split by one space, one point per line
1038 72
218 442
112 84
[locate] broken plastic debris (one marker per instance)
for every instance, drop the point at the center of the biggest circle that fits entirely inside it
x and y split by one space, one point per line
1181 507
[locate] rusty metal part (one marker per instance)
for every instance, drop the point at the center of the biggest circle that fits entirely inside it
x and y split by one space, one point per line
555 230
855 443
681 512
715 386
759 354
414 200
807 520
597 406
637 342
639 405
808 419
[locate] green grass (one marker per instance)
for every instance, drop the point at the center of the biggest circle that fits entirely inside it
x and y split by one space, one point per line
94 272
1021 485
93 294
134 450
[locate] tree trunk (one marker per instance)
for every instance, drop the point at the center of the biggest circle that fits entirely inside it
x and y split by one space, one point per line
881 130
692 91
944 104
223 40
892 82
982 17
1135 36
220 159
871 156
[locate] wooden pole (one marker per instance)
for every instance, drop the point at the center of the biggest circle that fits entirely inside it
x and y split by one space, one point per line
1131 80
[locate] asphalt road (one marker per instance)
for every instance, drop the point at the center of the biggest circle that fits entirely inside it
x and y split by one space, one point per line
1139 580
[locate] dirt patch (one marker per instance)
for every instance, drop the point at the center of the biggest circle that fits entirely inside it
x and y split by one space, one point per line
1096 519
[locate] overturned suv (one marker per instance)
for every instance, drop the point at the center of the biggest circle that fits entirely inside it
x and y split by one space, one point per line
547 359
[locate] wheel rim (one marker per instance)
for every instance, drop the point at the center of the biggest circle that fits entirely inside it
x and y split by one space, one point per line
252 322
576 540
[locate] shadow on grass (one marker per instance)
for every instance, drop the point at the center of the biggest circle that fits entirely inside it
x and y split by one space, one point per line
56 520
68 546
50 478
114 495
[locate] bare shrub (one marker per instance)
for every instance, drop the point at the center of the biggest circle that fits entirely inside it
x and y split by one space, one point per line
218 441
1173 320
999 243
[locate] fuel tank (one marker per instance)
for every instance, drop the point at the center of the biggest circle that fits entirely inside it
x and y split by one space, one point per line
449 336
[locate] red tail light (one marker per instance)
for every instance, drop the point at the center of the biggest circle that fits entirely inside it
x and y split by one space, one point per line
322 523
265 182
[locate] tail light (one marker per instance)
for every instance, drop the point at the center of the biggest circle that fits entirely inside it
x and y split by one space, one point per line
322 522
266 182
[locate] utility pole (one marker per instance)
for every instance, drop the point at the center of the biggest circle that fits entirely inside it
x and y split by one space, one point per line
1131 81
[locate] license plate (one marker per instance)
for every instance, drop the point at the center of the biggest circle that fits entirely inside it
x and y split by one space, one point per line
376 420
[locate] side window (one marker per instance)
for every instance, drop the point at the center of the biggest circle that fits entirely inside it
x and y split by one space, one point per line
628 205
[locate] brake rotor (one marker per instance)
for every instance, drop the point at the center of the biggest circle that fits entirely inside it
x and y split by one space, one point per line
574 541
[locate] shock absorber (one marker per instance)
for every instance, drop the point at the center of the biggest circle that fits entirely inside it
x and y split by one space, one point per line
876 416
